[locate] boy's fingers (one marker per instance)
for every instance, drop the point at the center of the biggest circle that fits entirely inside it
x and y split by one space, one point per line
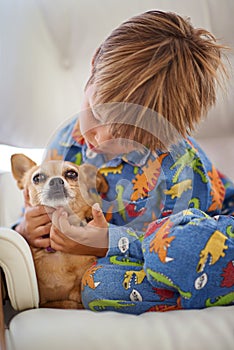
42 242
61 223
49 211
55 218
64 223
98 216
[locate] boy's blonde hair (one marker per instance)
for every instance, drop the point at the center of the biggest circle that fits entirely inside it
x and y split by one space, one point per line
159 61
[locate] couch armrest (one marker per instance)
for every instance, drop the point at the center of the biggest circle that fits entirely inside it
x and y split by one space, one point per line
17 264
11 200
2 324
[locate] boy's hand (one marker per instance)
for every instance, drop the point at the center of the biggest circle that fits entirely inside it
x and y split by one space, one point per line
36 224
91 239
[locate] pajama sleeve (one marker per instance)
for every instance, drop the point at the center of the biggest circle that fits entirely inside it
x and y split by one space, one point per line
125 241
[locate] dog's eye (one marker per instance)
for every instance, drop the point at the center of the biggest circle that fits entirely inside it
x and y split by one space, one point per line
38 178
71 174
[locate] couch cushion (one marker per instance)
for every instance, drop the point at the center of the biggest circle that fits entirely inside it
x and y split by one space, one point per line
52 329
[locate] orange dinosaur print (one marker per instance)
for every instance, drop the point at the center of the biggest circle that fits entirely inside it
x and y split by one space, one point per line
112 170
109 213
53 154
145 182
164 308
154 225
88 277
161 242
148 223
217 190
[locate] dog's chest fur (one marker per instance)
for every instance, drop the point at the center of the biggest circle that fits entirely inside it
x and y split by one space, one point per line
59 278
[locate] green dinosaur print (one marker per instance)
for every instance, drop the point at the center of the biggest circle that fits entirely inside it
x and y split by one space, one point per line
195 166
102 304
188 159
182 162
159 277
135 170
228 185
229 231
78 160
133 234
124 261
197 221
221 300
196 202
121 206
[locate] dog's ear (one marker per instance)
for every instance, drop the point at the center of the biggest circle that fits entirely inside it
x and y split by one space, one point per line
20 164
101 183
88 173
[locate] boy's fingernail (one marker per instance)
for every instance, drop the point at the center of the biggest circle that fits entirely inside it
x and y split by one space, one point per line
96 206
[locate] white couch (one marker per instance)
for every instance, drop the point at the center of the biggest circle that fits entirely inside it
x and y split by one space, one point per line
45 61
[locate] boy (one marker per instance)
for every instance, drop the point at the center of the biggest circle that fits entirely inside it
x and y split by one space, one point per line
166 240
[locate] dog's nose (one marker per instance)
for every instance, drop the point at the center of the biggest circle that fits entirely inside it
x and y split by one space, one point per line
56 182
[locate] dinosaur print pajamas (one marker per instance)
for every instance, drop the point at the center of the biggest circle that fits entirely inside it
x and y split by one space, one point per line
171 229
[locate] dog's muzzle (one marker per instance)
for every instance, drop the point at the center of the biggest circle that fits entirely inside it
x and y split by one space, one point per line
57 189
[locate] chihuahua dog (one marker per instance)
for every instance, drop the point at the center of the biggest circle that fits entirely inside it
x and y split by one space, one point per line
55 184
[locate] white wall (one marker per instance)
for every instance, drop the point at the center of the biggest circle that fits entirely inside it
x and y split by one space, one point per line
46 48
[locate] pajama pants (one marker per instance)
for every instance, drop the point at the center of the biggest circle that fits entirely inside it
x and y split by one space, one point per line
188 263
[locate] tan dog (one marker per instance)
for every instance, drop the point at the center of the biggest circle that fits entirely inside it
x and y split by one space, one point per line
56 184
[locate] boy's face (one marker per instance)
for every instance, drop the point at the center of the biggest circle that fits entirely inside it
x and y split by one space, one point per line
96 133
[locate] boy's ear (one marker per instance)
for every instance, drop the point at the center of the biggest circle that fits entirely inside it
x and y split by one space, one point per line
20 164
